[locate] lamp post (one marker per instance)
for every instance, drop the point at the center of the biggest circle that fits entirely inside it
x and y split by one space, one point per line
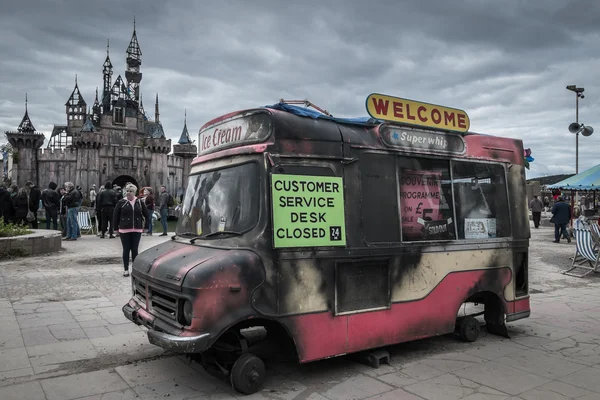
578 93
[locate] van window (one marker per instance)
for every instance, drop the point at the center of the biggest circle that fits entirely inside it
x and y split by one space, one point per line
481 200
425 192
379 198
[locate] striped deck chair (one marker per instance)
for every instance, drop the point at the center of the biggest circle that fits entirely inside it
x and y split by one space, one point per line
595 234
586 253
85 222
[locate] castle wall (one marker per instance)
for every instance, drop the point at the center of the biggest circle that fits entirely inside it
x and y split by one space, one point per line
57 166
87 166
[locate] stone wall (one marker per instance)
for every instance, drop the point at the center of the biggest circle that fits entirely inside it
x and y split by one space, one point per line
39 242
87 166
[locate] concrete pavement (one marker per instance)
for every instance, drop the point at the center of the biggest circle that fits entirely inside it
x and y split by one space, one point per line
63 336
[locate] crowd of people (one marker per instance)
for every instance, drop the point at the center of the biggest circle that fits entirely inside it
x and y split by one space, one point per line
120 212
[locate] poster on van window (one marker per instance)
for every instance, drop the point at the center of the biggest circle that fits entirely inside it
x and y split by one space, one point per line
420 195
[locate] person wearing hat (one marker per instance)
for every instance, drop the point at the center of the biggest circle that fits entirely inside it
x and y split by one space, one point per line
561 216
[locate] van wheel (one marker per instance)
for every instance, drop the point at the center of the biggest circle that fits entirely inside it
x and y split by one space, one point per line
469 329
248 374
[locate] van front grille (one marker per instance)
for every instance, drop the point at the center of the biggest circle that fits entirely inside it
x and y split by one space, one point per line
163 303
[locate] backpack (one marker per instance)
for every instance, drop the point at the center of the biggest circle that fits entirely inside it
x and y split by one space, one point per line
170 201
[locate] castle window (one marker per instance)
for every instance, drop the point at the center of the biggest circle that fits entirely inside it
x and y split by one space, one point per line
119 116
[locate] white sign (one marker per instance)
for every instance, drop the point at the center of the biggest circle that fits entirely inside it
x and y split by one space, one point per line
251 128
480 228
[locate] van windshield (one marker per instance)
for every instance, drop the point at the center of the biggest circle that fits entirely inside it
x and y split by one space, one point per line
224 200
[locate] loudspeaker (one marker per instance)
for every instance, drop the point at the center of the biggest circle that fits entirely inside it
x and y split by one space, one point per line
575 127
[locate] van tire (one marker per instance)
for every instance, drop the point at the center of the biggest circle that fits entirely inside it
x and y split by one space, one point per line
248 374
469 329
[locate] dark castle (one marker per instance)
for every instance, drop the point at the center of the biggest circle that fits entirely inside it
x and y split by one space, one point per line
113 140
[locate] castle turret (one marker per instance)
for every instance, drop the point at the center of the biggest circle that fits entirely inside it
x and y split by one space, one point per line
185 147
25 142
76 108
96 110
134 61
107 71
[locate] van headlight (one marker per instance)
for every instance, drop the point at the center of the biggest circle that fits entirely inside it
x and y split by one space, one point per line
186 314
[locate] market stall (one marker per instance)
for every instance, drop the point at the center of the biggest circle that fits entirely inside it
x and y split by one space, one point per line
582 189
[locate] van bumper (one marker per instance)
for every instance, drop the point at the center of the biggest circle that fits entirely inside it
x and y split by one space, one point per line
179 344
158 337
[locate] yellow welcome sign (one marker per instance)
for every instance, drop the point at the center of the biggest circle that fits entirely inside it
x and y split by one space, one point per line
395 109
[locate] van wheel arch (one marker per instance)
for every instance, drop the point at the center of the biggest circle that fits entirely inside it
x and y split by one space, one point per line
276 331
494 309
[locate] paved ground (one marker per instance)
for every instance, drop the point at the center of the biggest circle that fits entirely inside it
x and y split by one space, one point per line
63 336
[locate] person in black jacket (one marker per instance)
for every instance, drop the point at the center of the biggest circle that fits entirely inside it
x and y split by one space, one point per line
128 220
561 216
6 207
51 203
72 200
20 205
105 206
34 201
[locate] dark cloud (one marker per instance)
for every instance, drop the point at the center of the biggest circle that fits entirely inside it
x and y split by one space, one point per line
505 63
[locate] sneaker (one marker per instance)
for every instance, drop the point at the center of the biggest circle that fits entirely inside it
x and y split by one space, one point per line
112 236
125 273
163 234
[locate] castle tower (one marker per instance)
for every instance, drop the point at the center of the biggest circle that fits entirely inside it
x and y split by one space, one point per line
186 149
75 108
134 61
107 71
96 110
26 141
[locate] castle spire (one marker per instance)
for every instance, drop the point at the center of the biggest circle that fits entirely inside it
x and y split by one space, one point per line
26 126
76 99
141 109
156 113
185 136
134 61
107 71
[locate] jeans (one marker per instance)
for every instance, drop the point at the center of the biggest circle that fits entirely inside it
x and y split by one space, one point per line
52 214
536 218
72 225
130 242
149 219
63 224
560 229
164 214
107 214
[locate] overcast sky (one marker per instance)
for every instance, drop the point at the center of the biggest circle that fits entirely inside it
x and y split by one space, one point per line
506 63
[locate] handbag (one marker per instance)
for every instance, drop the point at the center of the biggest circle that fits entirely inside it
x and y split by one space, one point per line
552 220
30 215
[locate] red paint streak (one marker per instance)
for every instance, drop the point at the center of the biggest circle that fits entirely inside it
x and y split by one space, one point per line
518 306
248 149
493 147
214 300
323 335
177 254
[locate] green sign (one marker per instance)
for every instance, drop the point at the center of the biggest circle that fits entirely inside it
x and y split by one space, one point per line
308 211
